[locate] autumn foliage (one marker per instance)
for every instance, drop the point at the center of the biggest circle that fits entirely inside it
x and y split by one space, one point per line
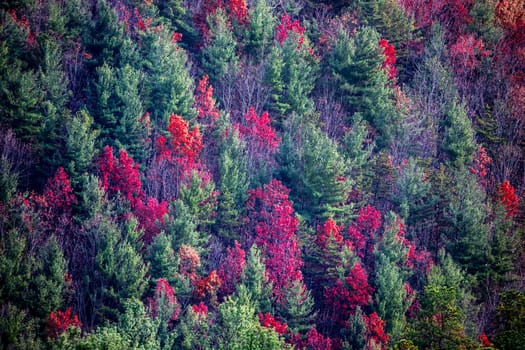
60 321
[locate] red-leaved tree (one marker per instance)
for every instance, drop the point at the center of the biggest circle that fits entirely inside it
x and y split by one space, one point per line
204 101
509 199
389 63
375 331
275 225
268 321
164 304
343 299
286 26
231 269
59 322
361 233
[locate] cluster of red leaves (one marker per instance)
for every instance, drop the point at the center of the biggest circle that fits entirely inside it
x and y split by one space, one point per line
508 13
375 329
258 132
316 341
268 321
453 14
236 10
58 192
231 269
509 199
150 213
485 342
329 232
466 53
204 101
389 63
59 322
164 300
272 216
287 26
122 175
208 285
361 233
183 147
344 298
480 165
200 309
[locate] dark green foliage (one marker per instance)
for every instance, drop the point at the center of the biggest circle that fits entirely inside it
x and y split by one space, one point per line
219 56
291 72
315 172
355 335
440 324
389 19
80 145
233 185
169 87
469 232
262 23
459 140
511 320
356 65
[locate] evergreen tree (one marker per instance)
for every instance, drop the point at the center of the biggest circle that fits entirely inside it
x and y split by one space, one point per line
168 86
459 140
356 63
80 145
233 186
240 328
219 56
316 173
291 71
255 281
469 232
262 23
441 321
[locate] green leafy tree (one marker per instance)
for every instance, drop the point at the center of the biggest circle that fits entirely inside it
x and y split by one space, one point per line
511 320
255 281
239 327
469 232
291 72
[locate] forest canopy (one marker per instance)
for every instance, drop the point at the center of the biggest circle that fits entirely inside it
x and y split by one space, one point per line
262 174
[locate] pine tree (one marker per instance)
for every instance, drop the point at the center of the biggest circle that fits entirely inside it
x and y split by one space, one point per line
291 71
316 174
440 323
459 140
469 232
356 63
168 86
80 145
255 281
219 56
262 23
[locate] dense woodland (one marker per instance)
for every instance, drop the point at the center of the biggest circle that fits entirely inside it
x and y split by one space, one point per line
262 174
